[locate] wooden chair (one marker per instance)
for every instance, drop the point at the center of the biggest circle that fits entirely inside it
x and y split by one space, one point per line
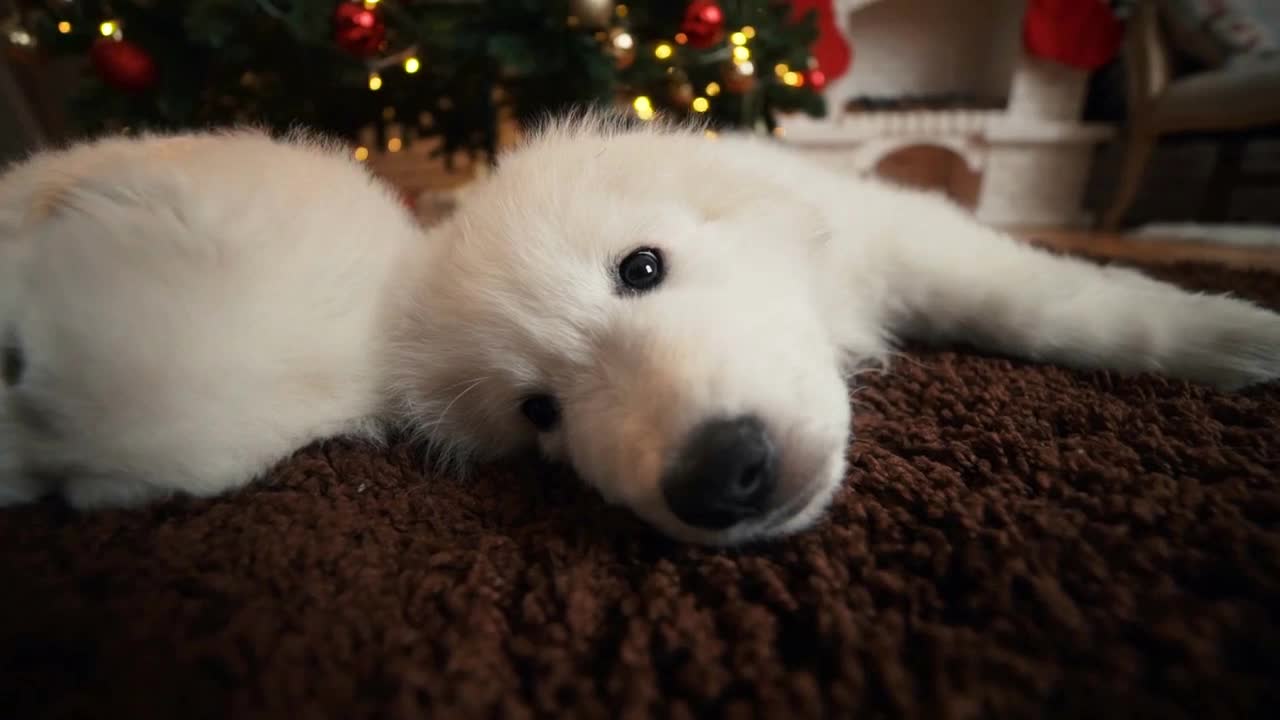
1227 104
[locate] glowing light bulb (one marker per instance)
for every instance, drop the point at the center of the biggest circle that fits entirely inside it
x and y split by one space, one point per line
711 134
107 28
713 89
745 68
412 65
643 106
681 38
624 41
394 144
741 54
370 4
793 78
64 27
700 104
749 31
361 153
738 38
375 81
663 51
781 69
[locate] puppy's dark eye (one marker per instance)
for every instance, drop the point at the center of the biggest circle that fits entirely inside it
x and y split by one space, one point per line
641 270
542 410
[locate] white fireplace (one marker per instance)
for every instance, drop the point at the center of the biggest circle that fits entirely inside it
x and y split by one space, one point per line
950 74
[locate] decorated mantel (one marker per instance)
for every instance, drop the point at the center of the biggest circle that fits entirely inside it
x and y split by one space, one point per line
1002 89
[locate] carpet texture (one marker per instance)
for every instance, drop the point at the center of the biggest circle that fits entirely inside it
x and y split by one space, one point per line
1012 541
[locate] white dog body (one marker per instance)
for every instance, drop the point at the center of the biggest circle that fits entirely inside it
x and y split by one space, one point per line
188 311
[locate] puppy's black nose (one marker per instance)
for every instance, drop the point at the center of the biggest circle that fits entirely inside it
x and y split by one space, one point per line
725 473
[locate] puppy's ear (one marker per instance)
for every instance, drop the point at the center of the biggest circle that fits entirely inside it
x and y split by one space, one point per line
36 188
768 209
49 181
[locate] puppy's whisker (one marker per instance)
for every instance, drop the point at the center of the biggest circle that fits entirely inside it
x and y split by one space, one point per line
450 449
439 419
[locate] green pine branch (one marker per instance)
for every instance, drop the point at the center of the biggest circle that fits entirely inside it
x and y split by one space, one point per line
275 63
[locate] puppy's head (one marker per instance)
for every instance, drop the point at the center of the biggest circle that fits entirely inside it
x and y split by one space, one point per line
648 306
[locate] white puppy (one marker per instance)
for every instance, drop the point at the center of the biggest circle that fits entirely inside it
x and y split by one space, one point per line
678 318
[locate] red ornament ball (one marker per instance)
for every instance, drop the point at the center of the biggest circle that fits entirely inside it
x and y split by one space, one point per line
703 23
357 29
123 65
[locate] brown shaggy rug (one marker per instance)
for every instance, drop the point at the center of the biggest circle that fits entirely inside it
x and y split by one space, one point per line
1013 541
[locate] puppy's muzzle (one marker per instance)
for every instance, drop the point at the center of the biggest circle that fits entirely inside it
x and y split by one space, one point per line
726 473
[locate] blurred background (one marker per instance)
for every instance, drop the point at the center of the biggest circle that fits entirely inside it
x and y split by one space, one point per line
1126 117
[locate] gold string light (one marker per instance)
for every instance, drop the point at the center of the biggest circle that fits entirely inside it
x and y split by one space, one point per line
741 53
412 65
749 31
64 27
361 153
781 69
663 51
375 81
643 107
793 78
738 38
713 89
700 104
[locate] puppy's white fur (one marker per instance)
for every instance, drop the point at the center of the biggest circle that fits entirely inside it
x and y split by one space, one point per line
189 310
192 309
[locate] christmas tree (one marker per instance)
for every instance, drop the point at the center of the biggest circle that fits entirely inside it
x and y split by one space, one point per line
449 68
